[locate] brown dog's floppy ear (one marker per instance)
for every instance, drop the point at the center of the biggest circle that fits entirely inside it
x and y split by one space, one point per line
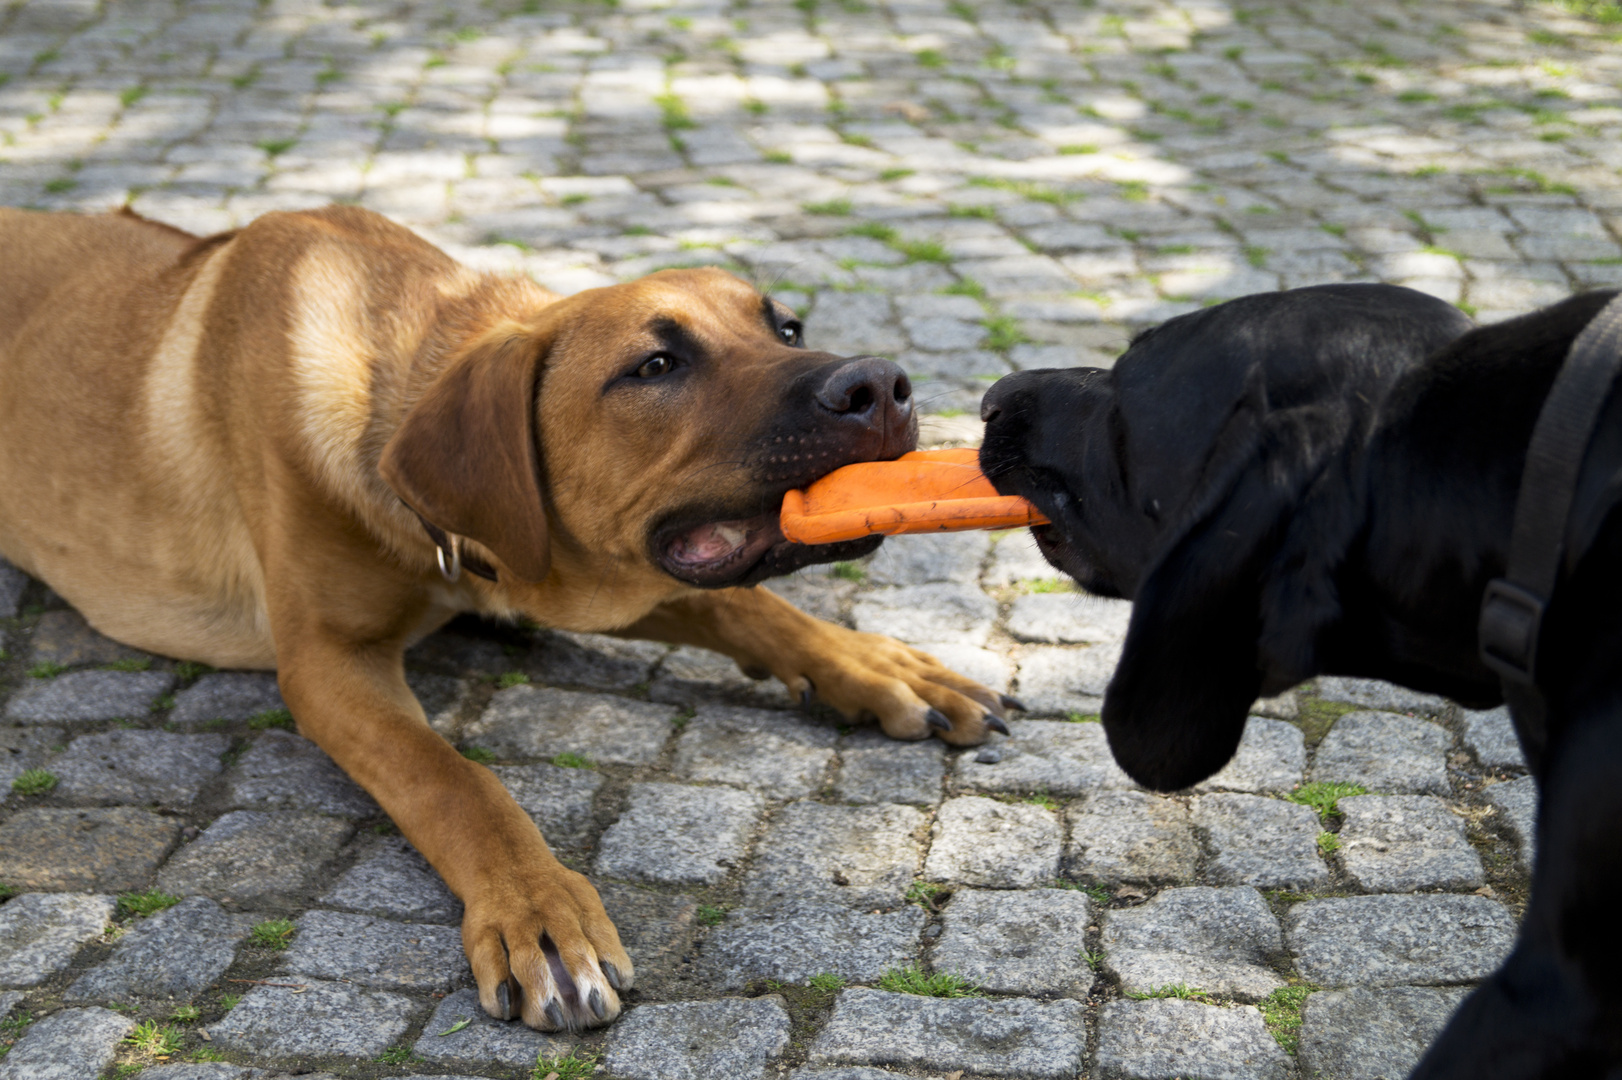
1176 707
466 456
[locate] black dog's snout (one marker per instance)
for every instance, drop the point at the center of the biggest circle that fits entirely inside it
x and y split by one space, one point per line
867 385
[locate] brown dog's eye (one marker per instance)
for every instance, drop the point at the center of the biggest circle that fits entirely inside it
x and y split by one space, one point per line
655 366
789 333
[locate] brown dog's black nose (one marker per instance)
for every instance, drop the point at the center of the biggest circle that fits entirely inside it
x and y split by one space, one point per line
874 392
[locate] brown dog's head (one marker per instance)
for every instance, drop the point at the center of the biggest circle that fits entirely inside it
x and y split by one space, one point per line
653 426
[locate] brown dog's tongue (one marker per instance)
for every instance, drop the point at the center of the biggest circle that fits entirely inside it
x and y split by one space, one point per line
710 543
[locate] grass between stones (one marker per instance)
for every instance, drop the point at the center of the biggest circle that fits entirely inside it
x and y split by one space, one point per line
271 718
570 760
11 1029
45 669
913 980
479 754
1281 1012
575 1065
711 914
33 782
1316 716
151 1037
1174 990
273 934
145 903
927 894
1325 797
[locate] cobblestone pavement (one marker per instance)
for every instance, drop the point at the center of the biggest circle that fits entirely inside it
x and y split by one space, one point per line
973 188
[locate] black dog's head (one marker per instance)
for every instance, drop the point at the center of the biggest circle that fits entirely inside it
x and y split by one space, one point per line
1173 478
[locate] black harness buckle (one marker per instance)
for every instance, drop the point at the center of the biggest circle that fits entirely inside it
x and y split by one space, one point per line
1510 619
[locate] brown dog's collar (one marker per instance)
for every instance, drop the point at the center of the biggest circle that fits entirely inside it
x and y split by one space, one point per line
452 559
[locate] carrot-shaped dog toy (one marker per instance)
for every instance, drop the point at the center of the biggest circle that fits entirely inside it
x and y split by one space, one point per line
924 491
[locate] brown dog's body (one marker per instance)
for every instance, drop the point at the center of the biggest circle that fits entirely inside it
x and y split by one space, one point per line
225 449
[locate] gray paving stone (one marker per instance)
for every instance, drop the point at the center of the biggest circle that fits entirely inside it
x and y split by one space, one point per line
484 1040
559 799
284 771
72 1044
795 939
778 752
699 1040
255 857
1263 842
376 952
1490 736
1272 756
1167 1038
595 661
115 848
675 834
858 856
1516 802
216 1070
856 1072
393 879
324 1019
919 614
9 1000
875 768
926 558
1014 1037
1402 843
1362 1034
853 324
1398 940
1017 558
137 766
1131 836
1069 618
979 841
1061 680
534 722
227 695
1056 756
1386 753
1382 696
175 954
694 677
24 748
1031 942
656 928
90 695
41 932
1221 941
12 583
63 637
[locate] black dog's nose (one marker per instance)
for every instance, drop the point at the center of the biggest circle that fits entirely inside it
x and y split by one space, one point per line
991 405
867 386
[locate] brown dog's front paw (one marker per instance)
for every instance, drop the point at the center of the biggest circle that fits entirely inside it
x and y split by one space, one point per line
913 695
543 949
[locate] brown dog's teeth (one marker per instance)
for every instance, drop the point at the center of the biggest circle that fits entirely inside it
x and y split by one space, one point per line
612 974
995 723
595 1000
554 1012
1009 701
937 720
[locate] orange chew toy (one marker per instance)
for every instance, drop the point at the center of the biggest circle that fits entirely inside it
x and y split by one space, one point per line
924 491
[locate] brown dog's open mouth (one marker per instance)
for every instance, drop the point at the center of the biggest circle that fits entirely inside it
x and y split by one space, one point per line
741 550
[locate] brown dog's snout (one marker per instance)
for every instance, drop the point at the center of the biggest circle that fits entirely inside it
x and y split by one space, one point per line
873 391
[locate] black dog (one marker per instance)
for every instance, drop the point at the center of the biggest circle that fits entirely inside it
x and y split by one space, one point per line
1286 489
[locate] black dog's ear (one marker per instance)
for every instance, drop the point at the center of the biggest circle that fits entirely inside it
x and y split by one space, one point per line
1176 707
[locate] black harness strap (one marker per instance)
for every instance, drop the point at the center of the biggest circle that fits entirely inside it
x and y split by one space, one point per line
1512 609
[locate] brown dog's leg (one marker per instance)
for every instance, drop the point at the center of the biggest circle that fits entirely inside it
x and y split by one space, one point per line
912 694
540 944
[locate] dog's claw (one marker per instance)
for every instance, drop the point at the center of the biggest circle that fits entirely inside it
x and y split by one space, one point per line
806 697
612 974
1009 701
937 720
504 1000
595 1000
995 723
554 1013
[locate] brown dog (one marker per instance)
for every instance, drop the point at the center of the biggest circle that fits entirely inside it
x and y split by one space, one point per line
261 450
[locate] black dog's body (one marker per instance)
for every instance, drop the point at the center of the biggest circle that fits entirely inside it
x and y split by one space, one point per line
1348 523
